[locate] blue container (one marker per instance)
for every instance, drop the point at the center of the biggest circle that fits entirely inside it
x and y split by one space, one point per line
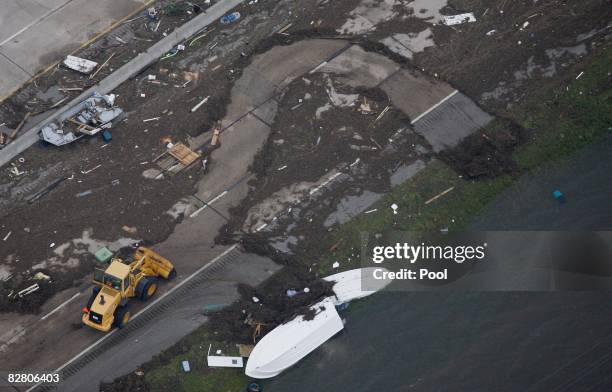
230 18
107 136
557 194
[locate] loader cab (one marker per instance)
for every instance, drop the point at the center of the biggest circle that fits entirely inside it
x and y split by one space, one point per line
116 276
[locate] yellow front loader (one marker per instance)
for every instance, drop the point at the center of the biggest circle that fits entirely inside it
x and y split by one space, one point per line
108 305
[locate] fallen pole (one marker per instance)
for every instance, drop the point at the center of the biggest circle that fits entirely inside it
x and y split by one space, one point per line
439 195
16 131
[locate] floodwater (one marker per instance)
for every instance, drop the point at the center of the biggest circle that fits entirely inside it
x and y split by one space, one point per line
484 341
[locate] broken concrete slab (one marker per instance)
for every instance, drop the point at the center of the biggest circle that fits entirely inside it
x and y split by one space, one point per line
451 121
414 93
360 68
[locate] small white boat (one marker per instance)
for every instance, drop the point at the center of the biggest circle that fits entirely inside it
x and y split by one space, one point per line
355 284
286 344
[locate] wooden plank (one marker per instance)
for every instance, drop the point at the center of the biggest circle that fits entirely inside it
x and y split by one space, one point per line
183 154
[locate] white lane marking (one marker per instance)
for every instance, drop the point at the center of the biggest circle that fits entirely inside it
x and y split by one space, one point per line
433 107
315 69
109 334
196 212
60 306
40 19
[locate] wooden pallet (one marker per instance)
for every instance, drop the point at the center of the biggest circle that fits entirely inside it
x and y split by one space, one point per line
183 154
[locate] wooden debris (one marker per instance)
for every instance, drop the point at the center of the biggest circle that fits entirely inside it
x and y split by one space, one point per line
440 195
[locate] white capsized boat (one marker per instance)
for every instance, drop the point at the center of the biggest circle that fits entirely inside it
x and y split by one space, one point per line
356 283
288 343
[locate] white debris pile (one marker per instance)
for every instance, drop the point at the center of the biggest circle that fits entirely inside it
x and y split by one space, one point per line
452 20
81 65
97 112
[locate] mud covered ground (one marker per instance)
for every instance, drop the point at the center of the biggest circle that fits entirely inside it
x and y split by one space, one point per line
502 71
309 140
58 233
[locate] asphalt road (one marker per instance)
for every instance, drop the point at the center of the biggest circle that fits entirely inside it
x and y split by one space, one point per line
35 33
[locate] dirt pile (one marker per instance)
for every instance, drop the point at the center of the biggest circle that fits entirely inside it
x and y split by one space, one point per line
487 153
130 382
269 305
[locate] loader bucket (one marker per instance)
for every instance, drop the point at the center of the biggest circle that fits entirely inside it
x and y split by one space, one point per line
160 265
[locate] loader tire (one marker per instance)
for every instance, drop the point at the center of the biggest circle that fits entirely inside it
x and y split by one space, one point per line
122 316
149 288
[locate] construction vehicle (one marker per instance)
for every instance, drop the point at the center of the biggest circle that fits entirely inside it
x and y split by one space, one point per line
108 305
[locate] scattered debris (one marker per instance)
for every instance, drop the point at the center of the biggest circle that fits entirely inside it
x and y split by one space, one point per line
129 229
440 195
365 108
28 290
452 20
394 207
102 66
90 170
371 211
97 112
291 293
579 75
85 193
6 237
215 138
202 102
230 18
180 157
245 350
559 196
58 103
21 124
336 265
103 255
151 119
41 276
81 65
385 110
222 360
282 30
185 366
52 133
255 299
